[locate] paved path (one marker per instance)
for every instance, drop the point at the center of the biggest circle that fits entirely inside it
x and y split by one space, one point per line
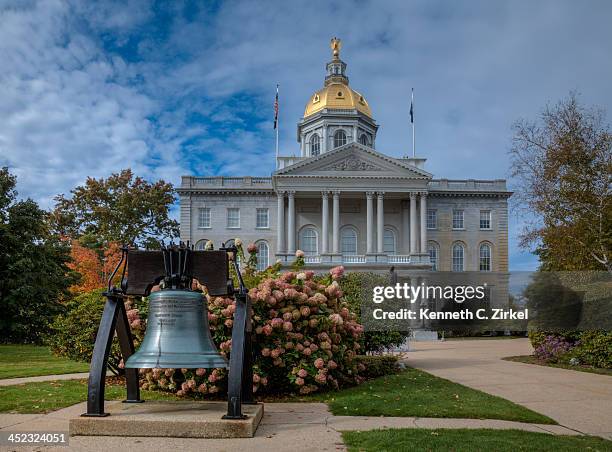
285 427
578 400
18 381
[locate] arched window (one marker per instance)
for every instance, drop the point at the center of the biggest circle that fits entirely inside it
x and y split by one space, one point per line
458 253
201 244
432 249
363 139
389 241
263 255
485 257
348 238
230 243
339 138
315 145
309 241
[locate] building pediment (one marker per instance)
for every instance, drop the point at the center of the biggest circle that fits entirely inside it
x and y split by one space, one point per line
353 160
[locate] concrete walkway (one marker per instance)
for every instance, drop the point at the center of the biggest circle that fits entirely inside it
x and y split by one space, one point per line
18 381
285 427
578 400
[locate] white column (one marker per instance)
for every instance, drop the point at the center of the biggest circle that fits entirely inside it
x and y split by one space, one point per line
380 222
291 223
324 221
324 143
370 221
406 226
413 220
280 225
423 222
336 223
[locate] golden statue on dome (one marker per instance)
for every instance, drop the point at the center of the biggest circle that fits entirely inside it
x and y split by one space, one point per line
336 45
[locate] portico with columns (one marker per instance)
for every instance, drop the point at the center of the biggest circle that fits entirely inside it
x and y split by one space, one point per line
382 201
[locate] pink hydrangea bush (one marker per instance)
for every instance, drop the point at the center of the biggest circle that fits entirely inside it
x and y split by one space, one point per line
305 338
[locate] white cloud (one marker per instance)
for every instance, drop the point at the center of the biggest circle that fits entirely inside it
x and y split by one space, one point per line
63 115
73 105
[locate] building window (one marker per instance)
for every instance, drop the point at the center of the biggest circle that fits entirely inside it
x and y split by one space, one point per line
229 244
349 241
339 138
263 255
485 219
389 241
363 139
204 218
485 257
458 252
457 219
433 256
233 217
315 145
263 219
432 219
201 244
309 241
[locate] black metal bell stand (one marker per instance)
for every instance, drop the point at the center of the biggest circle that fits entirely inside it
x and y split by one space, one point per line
147 268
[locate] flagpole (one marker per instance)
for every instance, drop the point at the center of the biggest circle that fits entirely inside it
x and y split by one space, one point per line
412 120
276 125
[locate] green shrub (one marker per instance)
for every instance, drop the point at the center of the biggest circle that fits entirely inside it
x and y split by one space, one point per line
595 349
73 333
537 338
356 287
378 365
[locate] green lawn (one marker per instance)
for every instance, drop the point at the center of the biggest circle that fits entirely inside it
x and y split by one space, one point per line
33 360
530 359
416 393
42 397
459 440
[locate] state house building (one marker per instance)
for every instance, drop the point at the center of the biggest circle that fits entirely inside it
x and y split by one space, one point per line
343 201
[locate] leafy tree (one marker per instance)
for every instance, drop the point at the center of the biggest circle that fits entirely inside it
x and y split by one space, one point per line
93 270
34 275
123 208
563 166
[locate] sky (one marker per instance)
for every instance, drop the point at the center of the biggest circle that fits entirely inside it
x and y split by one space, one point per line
187 88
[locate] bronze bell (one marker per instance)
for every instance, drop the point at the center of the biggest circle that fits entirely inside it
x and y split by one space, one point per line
178 334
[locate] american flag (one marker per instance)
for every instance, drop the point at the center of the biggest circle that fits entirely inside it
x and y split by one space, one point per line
276 109
412 107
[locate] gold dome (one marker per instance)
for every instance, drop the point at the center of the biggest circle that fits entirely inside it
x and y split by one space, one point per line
337 96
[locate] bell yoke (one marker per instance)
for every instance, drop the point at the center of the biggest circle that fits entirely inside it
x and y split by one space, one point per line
178 334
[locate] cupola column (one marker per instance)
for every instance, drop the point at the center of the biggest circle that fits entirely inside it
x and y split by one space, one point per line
324 144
